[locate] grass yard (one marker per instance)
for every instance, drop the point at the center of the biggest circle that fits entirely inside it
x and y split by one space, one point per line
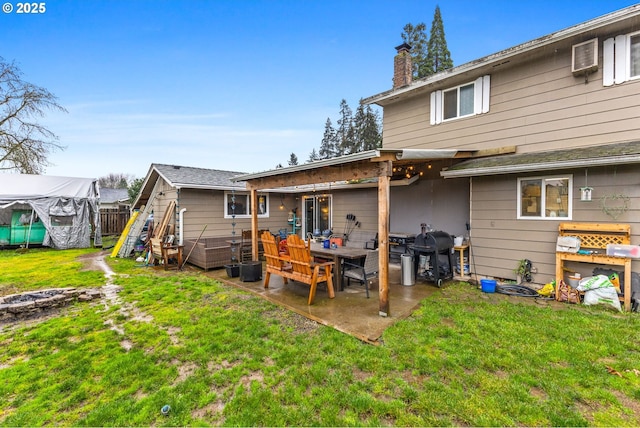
221 356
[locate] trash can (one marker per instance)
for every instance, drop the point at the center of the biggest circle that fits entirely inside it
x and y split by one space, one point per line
407 275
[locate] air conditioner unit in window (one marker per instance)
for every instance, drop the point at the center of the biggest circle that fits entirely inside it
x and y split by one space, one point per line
584 57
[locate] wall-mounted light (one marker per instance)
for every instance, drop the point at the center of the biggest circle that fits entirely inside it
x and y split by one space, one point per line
282 202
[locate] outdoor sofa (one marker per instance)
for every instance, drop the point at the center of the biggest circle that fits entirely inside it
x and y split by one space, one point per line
208 253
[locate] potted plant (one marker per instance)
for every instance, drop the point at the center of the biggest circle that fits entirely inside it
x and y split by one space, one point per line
233 270
523 271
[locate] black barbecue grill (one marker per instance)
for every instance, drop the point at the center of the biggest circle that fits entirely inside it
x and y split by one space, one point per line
433 245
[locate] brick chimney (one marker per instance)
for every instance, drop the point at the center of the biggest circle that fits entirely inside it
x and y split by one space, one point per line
402 66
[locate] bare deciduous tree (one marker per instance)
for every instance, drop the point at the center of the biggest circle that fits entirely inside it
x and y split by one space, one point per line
24 143
115 181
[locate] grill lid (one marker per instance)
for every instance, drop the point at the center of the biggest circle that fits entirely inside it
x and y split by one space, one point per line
436 240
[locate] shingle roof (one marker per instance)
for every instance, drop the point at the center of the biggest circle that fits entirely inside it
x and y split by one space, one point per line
109 196
610 154
186 176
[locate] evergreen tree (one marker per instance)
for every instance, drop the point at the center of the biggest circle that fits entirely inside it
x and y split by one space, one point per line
355 134
371 135
416 37
367 129
134 188
345 136
359 125
313 156
438 55
328 146
293 159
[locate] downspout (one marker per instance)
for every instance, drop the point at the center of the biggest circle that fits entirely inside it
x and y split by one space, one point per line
181 221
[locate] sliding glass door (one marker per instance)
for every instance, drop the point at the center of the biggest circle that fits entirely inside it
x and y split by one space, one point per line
317 214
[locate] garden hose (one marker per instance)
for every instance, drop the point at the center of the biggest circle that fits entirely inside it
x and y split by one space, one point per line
517 290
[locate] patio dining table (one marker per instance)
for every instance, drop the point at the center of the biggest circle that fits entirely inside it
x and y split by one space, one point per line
337 255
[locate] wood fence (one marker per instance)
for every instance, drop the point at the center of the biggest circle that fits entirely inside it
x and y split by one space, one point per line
113 221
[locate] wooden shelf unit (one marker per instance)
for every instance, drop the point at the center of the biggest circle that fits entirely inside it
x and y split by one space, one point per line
595 237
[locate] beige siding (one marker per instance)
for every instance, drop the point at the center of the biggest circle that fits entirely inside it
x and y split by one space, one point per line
206 207
537 106
499 240
363 203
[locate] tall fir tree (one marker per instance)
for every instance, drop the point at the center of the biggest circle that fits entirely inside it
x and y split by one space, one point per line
359 124
356 133
366 129
328 146
313 156
345 132
371 134
416 37
438 55
293 159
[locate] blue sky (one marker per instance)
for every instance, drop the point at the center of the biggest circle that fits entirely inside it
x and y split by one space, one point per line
235 85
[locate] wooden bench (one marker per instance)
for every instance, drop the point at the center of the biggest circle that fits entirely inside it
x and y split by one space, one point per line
594 238
298 265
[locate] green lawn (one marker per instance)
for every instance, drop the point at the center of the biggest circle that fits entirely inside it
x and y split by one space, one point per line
221 356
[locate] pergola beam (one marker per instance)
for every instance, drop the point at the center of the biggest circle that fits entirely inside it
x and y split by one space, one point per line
326 174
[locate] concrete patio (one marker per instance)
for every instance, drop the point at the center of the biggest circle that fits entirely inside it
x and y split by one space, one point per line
350 311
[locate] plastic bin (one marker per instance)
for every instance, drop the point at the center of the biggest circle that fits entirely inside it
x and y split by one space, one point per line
407 274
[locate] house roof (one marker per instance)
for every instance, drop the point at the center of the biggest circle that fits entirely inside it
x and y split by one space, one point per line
186 177
594 156
112 196
488 63
196 178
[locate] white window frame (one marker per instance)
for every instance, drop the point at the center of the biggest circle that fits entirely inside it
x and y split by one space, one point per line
628 54
457 90
245 198
544 215
481 97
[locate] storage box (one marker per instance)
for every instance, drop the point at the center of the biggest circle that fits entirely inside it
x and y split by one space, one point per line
619 250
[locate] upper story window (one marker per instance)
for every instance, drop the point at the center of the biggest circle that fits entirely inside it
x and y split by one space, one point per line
461 101
545 197
239 204
621 59
458 102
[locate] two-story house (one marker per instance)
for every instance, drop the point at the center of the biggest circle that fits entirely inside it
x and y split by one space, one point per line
561 115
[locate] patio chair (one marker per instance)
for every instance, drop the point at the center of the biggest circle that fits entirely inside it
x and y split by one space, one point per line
363 273
166 252
245 246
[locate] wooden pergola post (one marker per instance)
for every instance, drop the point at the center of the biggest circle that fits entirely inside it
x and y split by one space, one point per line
254 225
384 180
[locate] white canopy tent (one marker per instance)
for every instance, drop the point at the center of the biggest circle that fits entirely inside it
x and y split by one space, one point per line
67 206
